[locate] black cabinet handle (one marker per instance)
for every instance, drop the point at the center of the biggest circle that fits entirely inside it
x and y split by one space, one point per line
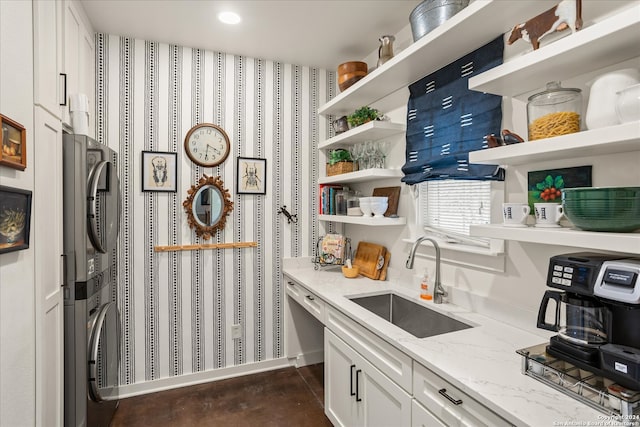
358 386
351 392
65 88
443 391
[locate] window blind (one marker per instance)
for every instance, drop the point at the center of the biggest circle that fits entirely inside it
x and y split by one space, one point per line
446 120
453 205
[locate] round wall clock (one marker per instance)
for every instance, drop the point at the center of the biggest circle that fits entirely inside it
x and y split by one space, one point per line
207 145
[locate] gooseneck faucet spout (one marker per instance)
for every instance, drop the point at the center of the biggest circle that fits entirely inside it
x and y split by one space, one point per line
438 292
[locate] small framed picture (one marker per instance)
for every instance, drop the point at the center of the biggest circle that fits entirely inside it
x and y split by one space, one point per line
15 219
159 171
13 144
252 176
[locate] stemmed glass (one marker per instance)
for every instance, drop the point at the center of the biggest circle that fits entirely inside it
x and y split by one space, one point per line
381 153
369 153
356 154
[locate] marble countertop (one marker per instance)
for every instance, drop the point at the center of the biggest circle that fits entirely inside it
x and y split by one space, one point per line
482 361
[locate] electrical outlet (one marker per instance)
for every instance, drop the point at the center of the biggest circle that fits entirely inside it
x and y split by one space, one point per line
236 331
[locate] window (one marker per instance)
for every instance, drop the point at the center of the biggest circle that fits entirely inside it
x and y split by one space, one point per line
453 205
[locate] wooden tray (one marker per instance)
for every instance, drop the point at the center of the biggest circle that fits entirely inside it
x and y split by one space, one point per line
370 259
393 193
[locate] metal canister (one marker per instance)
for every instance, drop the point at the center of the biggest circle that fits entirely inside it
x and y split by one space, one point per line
430 14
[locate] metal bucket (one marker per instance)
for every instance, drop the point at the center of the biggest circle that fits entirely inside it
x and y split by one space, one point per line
432 13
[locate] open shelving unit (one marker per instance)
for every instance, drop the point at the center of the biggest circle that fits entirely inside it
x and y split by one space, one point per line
605 43
361 220
617 242
371 131
361 176
469 29
624 138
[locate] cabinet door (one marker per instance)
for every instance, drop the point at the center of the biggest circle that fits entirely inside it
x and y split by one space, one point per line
79 60
47 55
384 403
339 381
358 394
421 417
47 226
71 65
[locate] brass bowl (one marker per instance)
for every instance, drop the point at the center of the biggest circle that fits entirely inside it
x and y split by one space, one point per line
350 273
350 72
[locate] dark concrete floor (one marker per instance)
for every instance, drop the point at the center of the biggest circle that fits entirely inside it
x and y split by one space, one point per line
284 397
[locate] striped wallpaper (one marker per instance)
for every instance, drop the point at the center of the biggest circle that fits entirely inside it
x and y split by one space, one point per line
177 308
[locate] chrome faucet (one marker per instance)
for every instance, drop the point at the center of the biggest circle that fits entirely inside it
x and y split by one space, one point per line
438 291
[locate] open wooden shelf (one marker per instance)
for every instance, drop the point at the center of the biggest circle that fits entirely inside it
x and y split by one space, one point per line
624 138
361 176
371 131
605 43
363 220
469 29
617 242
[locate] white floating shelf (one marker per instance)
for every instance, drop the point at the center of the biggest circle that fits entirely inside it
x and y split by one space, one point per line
361 176
371 131
363 220
624 138
617 242
605 43
469 29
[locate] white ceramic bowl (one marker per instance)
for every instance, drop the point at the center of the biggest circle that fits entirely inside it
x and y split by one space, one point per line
365 206
628 104
384 199
379 208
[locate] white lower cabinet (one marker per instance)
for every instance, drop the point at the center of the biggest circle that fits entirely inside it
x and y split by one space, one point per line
358 394
448 404
421 417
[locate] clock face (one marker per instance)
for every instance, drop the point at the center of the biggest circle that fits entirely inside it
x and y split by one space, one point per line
207 145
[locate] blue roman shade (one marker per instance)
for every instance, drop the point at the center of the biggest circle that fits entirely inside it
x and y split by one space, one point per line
446 120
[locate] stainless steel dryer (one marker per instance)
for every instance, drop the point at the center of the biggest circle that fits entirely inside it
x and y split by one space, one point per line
92 206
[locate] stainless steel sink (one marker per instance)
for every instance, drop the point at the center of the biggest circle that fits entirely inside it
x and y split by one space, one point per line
414 318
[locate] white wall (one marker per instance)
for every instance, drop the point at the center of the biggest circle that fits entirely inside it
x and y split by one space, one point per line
17 296
177 308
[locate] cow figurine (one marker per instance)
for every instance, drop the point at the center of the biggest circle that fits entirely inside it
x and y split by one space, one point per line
566 14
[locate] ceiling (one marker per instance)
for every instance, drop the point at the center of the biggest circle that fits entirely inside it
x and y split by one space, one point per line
316 33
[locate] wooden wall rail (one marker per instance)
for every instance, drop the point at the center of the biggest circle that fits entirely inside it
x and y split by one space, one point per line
206 246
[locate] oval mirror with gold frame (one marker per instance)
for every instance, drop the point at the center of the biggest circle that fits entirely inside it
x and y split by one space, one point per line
207 205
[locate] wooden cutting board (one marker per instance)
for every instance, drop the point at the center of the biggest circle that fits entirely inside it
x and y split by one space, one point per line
370 259
383 272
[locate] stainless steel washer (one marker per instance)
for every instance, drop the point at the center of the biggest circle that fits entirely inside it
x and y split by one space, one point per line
92 206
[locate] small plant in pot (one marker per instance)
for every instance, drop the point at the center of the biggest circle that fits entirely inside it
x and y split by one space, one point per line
363 115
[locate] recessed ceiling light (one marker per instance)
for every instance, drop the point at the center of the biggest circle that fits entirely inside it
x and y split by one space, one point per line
229 17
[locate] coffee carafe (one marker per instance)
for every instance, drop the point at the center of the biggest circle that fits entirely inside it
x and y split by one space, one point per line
578 319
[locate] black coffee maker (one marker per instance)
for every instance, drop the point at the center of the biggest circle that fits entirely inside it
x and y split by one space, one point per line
597 314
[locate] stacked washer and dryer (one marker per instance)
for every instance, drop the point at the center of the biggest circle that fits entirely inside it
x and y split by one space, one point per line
92 206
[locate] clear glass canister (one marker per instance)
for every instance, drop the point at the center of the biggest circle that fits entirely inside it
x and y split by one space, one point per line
556 111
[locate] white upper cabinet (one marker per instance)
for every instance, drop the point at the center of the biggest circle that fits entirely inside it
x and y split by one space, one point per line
64 58
47 57
79 61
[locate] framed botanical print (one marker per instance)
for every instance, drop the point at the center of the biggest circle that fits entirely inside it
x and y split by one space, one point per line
252 176
13 144
159 171
15 219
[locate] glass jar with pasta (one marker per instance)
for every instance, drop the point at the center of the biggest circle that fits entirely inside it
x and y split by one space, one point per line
554 112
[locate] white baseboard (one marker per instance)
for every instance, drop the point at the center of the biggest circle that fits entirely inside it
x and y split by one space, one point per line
305 359
169 383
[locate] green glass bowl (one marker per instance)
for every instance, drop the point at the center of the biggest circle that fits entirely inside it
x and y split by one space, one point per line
612 209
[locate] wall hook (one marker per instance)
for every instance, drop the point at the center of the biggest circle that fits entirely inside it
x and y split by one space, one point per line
290 218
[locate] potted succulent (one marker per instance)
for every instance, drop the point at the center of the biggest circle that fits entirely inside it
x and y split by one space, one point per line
363 115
